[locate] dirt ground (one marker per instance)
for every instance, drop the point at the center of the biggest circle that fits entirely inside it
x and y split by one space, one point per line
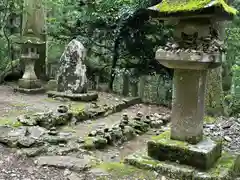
13 104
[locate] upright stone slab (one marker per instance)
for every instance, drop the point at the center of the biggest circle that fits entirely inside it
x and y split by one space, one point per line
71 78
72 72
184 153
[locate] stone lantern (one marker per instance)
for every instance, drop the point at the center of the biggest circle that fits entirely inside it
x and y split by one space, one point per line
184 152
29 83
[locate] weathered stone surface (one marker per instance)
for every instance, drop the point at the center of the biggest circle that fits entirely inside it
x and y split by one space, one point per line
72 72
50 119
188 113
26 120
36 132
51 85
32 152
202 155
71 163
74 97
10 136
226 168
30 91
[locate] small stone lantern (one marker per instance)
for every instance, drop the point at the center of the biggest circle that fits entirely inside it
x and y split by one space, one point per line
184 152
29 83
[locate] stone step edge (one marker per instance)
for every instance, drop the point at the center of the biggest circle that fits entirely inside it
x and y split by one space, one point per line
83 114
226 168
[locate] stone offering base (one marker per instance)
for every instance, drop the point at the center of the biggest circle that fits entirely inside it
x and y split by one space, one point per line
203 155
29 83
227 167
30 91
87 97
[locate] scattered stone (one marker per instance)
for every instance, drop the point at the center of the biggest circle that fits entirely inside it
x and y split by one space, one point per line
74 176
125 116
32 152
156 124
227 138
80 140
53 131
62 109
36 132
26 141
66 172
26 120
71 163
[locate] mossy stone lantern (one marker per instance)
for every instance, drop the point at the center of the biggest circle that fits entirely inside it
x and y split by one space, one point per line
29 83
197 46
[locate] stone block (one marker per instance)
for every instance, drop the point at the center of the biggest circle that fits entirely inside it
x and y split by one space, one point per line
51 85
29 83
87 97
202 155
226 168
30 91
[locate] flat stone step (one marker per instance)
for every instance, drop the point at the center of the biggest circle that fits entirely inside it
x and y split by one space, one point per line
68 162
226 168
87 97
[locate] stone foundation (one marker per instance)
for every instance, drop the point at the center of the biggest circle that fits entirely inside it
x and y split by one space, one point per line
30 91
202 155
74 97
29 83
226 168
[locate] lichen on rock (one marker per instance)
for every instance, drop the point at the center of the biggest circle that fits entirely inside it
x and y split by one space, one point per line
72 72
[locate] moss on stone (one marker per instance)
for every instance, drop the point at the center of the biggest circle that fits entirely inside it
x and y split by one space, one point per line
121 171
209 119
226 168
18 104
164 138
11 123
225 162
168 6
77 108
89 143
162 148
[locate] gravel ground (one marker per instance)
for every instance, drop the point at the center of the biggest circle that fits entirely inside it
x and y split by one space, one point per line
13 167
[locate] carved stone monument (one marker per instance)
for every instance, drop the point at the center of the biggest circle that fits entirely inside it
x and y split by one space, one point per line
184 152
71 78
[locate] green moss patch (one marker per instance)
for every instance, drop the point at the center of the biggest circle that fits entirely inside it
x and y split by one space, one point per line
224 163
226 168
209 120
77 108
11 123
164 138
119 170
163 148
169 6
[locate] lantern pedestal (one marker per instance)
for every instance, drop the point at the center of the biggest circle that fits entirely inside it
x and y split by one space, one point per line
29 82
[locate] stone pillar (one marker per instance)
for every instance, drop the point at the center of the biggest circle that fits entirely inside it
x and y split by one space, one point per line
188 105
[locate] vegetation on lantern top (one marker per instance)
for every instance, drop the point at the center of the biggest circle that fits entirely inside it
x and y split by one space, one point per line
168 6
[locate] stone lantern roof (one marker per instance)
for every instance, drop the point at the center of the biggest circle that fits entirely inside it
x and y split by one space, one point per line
194 8
27 39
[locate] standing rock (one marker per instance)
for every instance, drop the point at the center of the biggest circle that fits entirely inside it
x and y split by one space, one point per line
72 72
